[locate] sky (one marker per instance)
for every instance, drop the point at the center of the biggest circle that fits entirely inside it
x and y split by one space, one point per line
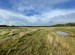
36 12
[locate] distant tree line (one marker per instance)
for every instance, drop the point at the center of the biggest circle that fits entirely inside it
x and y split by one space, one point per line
3 25
6 26
57 25
60 25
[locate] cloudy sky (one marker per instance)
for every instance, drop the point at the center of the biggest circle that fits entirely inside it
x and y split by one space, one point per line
36 12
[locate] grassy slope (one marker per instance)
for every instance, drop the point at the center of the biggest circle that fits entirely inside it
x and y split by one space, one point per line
37 41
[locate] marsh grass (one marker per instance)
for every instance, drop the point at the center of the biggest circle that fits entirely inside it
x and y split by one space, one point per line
37 41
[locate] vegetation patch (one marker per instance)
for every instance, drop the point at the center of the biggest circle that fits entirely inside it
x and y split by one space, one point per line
37 41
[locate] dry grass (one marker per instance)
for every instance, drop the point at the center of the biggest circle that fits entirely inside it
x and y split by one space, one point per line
37 41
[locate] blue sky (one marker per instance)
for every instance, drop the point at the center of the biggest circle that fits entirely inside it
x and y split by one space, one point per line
36 12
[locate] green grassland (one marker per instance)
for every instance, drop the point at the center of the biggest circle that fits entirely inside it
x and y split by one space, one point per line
36 41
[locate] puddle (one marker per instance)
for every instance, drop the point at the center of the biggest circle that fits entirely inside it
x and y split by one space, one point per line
62 33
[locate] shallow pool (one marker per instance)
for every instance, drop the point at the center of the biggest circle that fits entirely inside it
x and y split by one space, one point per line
62 33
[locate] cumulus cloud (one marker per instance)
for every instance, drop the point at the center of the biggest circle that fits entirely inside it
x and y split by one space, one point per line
46 18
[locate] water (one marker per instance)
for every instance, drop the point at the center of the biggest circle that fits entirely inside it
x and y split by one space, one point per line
62 33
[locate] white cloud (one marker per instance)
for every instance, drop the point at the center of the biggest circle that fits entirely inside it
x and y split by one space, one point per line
57 12
46 18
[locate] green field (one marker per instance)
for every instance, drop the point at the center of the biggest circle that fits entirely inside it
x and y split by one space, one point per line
37 41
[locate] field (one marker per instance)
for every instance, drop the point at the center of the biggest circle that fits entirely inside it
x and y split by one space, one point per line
37 41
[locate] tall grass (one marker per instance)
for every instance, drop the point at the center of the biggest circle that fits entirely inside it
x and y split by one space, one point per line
37 41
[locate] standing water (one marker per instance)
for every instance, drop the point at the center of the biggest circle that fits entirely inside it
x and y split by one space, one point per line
62 33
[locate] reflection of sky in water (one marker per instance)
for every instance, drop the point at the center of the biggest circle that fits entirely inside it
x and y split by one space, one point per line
62 33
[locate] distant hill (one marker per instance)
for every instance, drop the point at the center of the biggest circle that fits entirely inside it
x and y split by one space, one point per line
66 24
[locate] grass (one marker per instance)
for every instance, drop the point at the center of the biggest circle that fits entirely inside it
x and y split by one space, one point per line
36 41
